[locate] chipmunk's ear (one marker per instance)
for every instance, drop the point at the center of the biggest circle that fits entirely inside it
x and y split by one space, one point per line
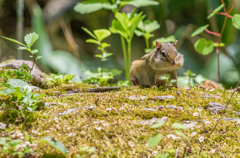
158 45
175 43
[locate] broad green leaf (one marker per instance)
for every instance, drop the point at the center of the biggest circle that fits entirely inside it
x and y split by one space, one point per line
133 13
167 75
117 27
200 79
203 46
15 142
15 41
154 140
30 39
173 80
56 144
123 20
39 57
138 33
106 55
68 77
199 30
102 34
34 51
159 124
164 40
93 41
179 125
216 11
17 83
150 27
99 56
181 134
218 45
89 32
135 21
23 48
147 35
7 91
3 140
90 6
139 3
104 45
163 78
163 155
236 21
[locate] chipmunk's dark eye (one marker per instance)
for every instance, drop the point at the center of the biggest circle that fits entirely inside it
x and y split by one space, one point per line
163 54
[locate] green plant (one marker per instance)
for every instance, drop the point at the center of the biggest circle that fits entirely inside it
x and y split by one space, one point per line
29 39
87 149
21 73
156 138
13 147
204 46
101 76
123 24
166 79
57 79
56 144
145 29
19 96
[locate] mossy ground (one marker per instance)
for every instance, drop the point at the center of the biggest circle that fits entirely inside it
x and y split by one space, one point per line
111 131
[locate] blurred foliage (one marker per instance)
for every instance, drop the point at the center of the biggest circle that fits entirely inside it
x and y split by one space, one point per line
64 49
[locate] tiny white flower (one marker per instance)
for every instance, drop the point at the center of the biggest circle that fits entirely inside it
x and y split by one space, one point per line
68 128
201 139
195 114
131 144
98 128
154 153
108 109
207 122
213 151
34 131
147 145
172 136
56 119
193 134
72 134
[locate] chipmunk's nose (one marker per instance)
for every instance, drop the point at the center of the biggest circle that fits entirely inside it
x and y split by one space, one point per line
173 62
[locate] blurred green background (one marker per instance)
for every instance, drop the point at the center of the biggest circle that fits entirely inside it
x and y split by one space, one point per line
62 41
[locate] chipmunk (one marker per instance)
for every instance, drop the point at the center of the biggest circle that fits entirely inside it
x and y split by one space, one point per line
163 59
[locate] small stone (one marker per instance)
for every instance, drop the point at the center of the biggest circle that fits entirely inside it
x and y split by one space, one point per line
46 104
163 97
108 109
131 144
149 109
215 107
178 92
53 103
173 107
190 124
3 125
89 107
160 107
133 98
16 135
71 110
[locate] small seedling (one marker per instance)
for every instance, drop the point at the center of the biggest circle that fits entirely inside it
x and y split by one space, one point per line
29 39
166 79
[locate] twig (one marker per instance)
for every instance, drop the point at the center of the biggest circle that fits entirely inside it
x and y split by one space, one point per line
103 89
219 118
176 153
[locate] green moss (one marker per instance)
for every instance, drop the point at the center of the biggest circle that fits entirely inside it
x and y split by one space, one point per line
120 124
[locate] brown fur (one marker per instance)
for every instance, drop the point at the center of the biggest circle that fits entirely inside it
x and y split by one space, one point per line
147 70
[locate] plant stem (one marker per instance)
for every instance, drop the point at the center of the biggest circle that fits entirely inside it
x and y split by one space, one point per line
147 44
225 15
125 56
129 59
212 33
20 7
